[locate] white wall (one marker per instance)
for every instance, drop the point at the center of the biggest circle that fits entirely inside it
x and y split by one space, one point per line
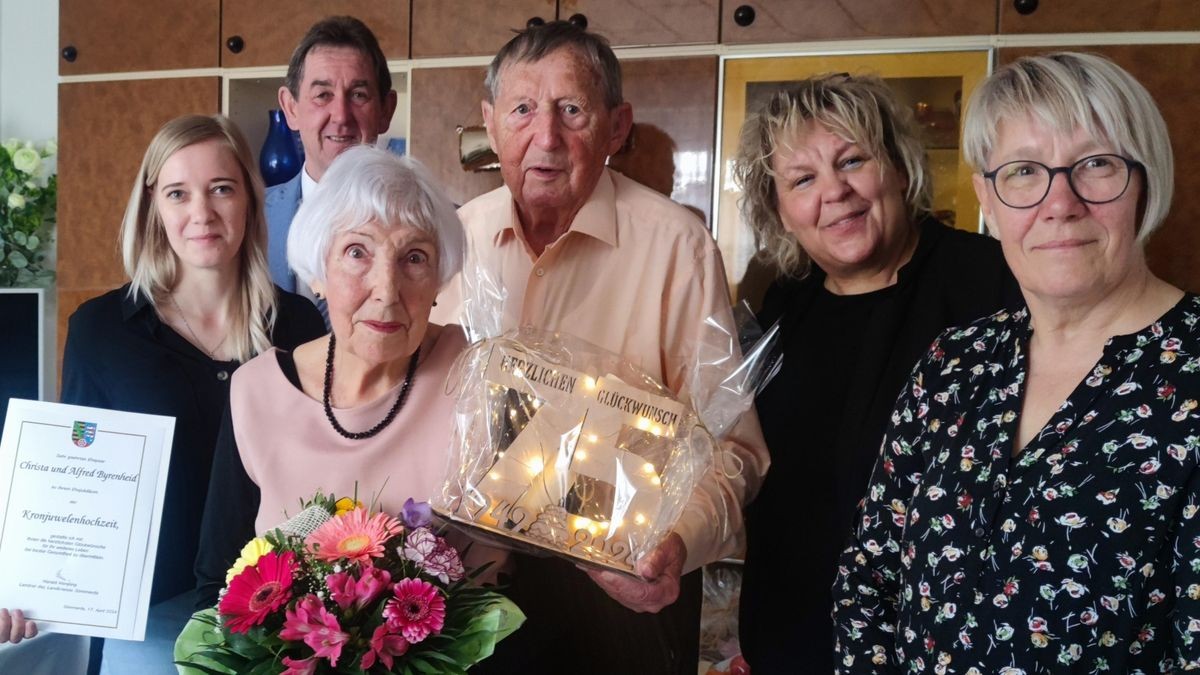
29 106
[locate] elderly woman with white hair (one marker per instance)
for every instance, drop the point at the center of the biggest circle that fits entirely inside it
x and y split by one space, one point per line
1034 506
364 406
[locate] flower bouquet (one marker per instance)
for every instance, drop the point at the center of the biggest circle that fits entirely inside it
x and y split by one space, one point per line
342 589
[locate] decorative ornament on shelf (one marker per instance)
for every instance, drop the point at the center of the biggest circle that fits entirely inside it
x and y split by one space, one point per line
280 159
28 202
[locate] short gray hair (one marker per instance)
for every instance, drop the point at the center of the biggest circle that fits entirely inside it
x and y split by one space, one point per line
861 109
364 184
1068 91
538 42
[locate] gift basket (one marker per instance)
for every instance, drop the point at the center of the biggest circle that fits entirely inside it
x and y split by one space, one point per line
563 448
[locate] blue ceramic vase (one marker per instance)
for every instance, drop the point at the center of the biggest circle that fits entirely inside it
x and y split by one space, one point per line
279 160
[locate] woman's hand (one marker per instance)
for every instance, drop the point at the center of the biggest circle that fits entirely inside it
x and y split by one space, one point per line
14 627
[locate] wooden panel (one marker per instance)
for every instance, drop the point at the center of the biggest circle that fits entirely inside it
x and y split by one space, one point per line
674 111
271 29
1089 16
103 130
1174 250
791 21
648 22
130 35
442 99
471 27
68 302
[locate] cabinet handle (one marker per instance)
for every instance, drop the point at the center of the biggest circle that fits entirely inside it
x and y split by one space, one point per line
235 44
743 15
535 22
579 20
1025 7
69 53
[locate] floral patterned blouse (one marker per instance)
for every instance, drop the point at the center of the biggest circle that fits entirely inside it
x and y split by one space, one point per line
1080 554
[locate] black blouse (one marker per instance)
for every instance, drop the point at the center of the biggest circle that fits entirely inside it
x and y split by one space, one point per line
1079 554
845 359
120 355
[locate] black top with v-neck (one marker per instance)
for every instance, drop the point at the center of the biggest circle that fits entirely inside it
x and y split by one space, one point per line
844 361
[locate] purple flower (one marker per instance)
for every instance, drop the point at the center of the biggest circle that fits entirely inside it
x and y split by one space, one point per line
434 555
416 514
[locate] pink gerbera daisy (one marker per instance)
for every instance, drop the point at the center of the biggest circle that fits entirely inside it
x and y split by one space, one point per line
417 610
355 536
257 591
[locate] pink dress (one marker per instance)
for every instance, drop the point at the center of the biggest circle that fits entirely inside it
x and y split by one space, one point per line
290 450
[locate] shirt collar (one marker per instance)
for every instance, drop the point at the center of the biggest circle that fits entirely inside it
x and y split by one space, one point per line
307 184
131 307
597 218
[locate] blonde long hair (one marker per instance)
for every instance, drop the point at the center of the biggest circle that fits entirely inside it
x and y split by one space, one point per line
150 261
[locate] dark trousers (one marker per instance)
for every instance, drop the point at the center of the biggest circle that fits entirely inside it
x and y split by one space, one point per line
572 626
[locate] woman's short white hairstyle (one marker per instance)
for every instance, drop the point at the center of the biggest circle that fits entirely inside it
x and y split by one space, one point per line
367 184
1068 91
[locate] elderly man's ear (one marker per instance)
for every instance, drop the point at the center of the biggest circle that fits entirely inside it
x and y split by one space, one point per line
622 122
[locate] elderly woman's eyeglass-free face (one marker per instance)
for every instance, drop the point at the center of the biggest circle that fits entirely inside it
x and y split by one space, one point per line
380 283
1096 179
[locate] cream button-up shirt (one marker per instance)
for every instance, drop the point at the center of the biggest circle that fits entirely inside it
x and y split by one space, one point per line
636 274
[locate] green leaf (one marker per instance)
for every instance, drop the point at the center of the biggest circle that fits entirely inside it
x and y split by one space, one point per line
185 668
17 259
20 238
33 242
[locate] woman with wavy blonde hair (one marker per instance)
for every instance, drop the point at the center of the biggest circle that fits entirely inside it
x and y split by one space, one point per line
199 303
836 187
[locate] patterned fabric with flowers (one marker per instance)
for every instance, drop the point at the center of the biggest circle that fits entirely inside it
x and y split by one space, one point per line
340 589
1079 554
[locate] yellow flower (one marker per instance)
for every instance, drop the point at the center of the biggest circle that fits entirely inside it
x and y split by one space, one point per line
251 552
346 505
1039 639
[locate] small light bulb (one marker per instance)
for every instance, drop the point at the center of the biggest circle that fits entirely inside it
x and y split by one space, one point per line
639 519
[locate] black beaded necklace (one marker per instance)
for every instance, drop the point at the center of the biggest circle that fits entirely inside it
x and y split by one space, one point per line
359 435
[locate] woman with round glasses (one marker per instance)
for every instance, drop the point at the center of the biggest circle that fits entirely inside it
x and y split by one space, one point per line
1034 507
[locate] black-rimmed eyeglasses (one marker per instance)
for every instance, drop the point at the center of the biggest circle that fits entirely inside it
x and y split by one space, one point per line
1097 179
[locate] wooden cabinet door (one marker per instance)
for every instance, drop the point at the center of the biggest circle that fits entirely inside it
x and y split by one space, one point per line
794 21
471 27
441 99
631 23
103 131
1089 16
265 32
116 36
1173 251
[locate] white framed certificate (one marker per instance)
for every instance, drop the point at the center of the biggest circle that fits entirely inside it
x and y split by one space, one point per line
81 495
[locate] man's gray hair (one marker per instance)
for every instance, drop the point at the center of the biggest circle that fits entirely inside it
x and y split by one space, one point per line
367 184
538 42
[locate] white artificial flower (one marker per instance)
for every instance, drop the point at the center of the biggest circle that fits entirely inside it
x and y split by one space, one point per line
26 160
16 201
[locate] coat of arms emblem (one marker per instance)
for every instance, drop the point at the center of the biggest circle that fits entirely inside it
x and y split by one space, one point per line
83 433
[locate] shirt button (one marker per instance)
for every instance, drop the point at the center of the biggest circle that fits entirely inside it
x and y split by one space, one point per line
979 532
540 272
222 375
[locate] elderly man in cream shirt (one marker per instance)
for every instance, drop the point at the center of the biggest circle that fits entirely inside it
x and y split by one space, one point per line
581 249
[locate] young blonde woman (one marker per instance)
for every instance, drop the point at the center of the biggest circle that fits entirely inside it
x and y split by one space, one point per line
199 303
